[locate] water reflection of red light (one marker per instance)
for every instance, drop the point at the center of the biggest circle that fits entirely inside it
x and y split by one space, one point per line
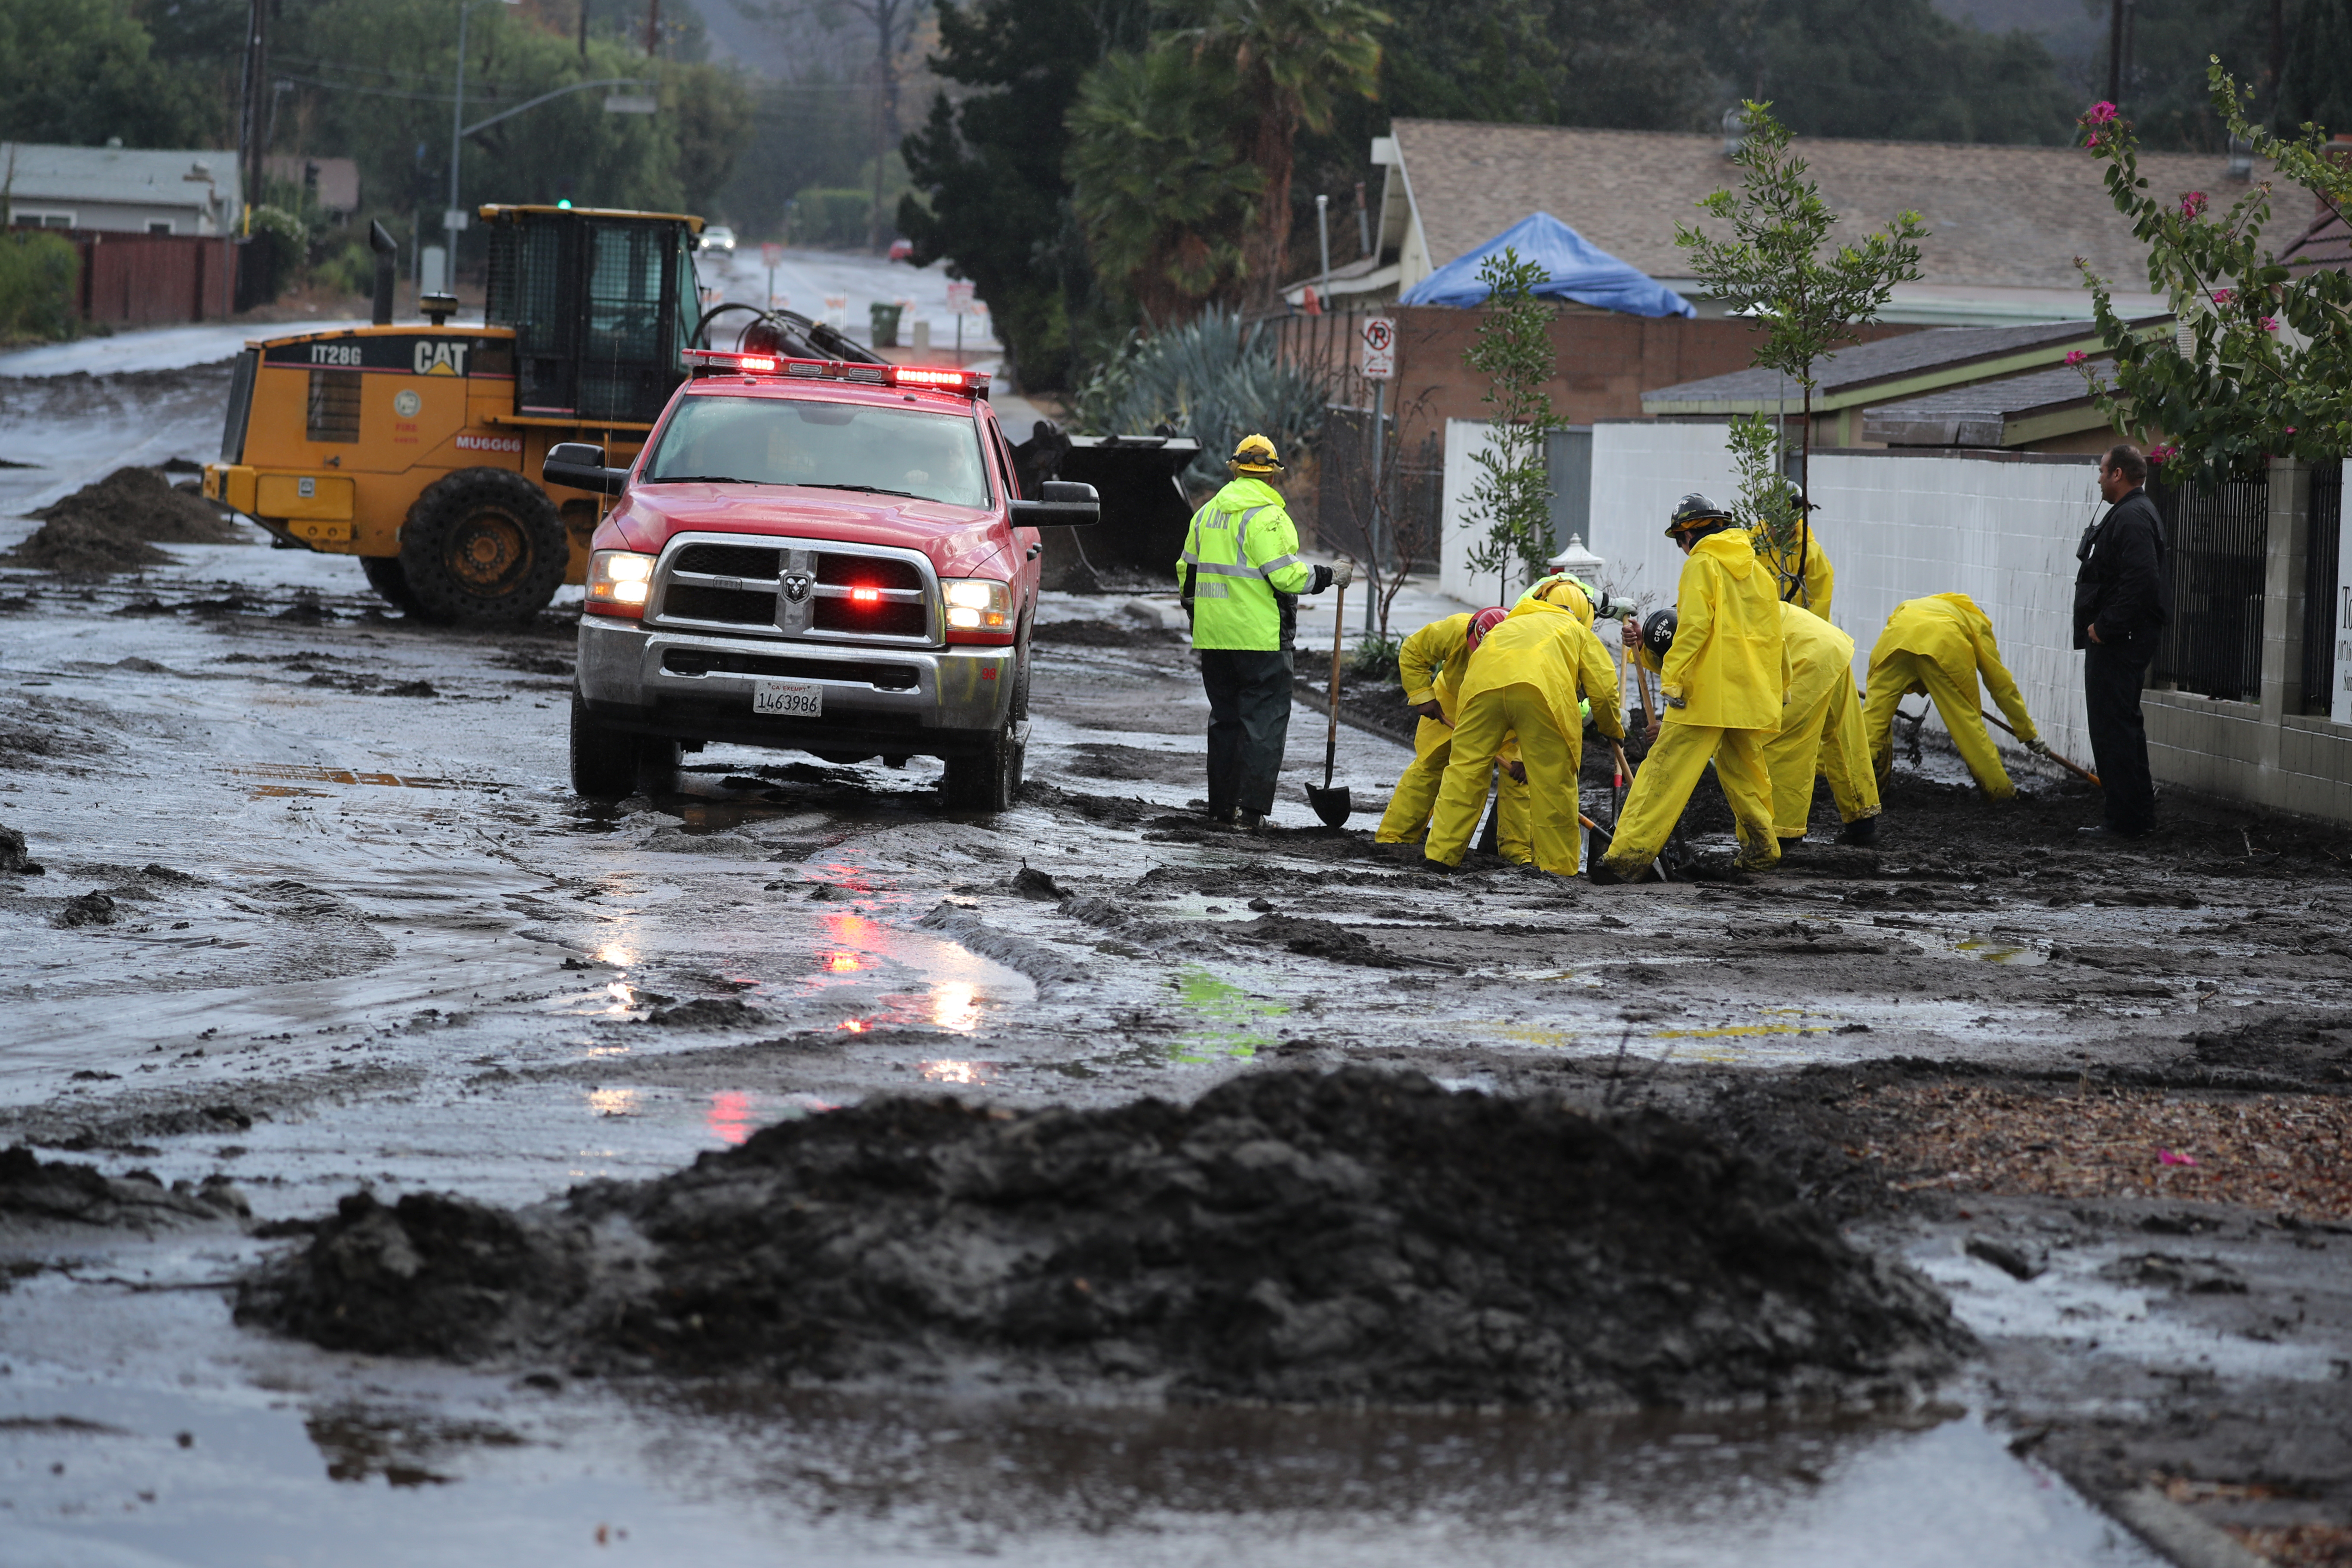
842 963
730 1117
847 928
855 1026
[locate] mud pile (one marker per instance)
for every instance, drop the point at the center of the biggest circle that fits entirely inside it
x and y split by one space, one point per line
112 526
34 1193
1291 1237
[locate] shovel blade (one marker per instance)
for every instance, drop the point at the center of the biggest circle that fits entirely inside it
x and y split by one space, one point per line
1331 805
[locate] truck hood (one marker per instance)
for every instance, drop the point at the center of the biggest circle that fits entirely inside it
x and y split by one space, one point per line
960 541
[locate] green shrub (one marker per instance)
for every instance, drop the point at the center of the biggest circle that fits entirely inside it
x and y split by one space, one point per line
1375 657
348 269
836 217
1212 378
38 273
280 243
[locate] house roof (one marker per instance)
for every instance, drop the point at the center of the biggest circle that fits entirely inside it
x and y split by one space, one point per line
2006 413
1999 217
2324 246
1887 370
126 176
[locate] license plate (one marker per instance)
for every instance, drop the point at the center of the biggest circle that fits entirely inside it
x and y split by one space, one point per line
789 698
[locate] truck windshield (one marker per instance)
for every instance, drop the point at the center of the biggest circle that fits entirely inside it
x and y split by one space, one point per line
827 446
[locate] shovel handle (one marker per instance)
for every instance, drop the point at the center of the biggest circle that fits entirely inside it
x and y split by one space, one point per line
1338 634
2073 767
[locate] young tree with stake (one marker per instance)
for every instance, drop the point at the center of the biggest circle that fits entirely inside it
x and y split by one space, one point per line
1776 268
1513 350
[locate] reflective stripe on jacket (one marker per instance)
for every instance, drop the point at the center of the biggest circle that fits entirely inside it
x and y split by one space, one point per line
1239 552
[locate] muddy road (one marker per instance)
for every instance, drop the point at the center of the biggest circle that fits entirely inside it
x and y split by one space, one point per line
315 912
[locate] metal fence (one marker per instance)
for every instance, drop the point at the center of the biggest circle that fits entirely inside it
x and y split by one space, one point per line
2220 541
2319 584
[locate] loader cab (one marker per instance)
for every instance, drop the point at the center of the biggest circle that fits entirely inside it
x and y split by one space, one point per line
602 305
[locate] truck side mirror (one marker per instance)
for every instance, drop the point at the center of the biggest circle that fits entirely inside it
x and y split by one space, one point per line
580 465
1066 504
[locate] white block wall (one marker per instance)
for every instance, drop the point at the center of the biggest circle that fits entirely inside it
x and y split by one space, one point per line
2000 527
1465 439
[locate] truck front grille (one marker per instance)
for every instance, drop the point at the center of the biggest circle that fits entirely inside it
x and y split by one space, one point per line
714 662
838 571
736 606
876 620
726 561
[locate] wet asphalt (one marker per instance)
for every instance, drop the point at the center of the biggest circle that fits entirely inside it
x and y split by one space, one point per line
362 934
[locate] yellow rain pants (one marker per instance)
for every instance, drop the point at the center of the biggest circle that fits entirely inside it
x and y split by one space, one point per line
1821 727
1549 797
1724 679
1940 646
1430 665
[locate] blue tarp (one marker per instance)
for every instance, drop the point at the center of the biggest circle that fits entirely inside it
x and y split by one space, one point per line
1577 271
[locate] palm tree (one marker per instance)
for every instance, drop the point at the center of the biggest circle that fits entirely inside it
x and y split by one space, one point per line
1291 59
1160 190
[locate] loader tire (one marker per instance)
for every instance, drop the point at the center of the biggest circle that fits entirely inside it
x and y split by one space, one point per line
483 547
390 582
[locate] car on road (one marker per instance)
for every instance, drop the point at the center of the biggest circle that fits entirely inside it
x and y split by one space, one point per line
718 237
814 555
902 250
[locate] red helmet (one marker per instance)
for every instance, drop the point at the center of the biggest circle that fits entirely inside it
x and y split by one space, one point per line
1486 621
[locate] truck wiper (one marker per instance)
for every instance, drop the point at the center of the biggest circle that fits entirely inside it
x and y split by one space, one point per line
869 490
698 479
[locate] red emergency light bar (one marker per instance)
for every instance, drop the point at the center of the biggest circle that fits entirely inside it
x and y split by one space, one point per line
711 361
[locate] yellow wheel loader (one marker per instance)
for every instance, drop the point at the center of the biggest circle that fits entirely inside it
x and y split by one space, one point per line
418 446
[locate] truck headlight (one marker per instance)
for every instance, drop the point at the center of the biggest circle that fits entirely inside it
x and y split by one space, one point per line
619 582
977 604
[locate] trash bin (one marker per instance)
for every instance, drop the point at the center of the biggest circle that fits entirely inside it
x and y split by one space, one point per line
886 324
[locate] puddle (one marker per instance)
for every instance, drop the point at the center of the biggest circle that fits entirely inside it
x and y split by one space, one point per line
962 1074
1229 1013
1991 949
303 774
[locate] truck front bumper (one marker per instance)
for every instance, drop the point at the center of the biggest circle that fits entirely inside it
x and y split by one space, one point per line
877 701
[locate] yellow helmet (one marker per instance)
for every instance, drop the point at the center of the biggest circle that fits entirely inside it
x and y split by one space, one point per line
1256 454
1569 593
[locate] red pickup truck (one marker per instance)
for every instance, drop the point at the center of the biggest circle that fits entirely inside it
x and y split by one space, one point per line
814 555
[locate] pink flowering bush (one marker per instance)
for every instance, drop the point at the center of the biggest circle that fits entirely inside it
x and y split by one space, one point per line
2100 113
2075 356
2193 205
2269 323
2223 296
2161 453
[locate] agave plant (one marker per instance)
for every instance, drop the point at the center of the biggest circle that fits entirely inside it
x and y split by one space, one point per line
1214 379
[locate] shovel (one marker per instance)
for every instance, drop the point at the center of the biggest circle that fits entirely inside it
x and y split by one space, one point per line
1333 805
2071 767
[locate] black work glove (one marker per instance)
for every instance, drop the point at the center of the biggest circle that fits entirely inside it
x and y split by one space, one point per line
1323 578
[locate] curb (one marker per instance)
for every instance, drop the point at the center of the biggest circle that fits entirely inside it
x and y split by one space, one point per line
2179 1534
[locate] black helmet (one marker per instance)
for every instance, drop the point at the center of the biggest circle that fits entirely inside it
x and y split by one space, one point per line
1658 633
1694 510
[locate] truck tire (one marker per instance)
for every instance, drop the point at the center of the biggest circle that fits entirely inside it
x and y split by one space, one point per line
989 780
604 760
390 582
483 547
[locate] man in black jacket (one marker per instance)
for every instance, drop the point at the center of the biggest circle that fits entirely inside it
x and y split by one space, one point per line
2123 597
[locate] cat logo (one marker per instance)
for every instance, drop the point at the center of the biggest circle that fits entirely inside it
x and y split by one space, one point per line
442 358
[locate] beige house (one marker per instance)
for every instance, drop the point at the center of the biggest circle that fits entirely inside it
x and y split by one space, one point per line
2006 222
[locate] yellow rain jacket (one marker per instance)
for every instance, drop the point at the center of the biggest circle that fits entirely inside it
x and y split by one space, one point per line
1430 665
1821 727
1552 648
1241 551
1940 646
1814 592
1725 670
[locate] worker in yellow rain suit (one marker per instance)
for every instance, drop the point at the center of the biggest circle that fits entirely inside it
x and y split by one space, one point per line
1723 680
1525 680
1430 665
1802 570
1821 729
1939 646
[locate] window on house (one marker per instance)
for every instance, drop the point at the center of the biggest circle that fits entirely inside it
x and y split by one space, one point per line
33 218
162 225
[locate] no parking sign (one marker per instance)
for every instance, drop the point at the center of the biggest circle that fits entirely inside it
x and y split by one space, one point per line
1379 346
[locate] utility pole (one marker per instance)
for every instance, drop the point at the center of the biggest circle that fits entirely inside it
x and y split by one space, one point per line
652 28
1323 237
2116 53
584 29
2278 58
253 125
